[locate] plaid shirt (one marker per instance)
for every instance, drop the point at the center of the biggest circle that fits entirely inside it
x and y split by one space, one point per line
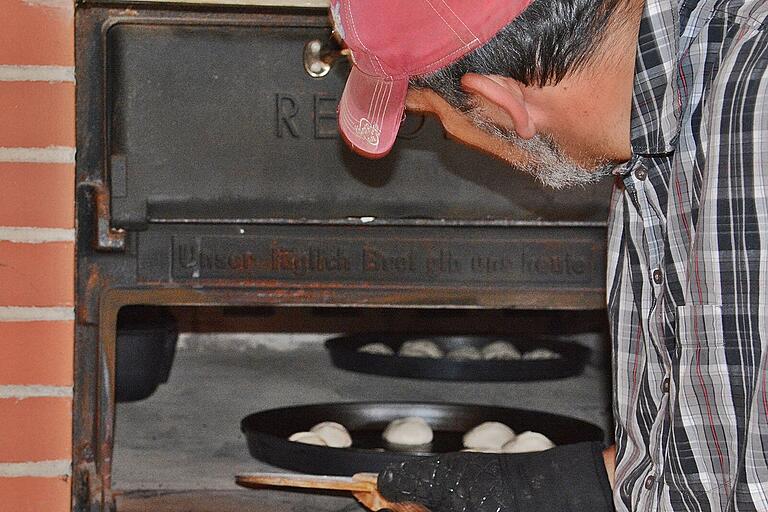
688 264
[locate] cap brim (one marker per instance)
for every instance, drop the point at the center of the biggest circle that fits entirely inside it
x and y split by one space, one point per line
370 113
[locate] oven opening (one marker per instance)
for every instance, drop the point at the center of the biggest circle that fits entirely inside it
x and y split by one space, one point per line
186 377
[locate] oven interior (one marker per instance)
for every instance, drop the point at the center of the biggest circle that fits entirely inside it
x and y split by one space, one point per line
180 448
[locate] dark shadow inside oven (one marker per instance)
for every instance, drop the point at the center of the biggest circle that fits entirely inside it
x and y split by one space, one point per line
180 447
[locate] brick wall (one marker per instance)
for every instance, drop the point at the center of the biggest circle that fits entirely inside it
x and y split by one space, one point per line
37 139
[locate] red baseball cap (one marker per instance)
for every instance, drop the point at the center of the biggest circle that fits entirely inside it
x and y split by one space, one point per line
393 40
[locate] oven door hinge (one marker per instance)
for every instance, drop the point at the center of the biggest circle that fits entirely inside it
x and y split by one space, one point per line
105 237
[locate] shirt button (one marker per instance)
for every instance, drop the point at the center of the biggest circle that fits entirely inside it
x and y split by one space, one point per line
650 481
641 173
665 385
658 277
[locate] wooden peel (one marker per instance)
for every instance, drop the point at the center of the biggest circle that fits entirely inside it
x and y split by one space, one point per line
361 482
362 486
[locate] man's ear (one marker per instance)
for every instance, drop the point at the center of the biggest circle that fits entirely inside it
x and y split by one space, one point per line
505 94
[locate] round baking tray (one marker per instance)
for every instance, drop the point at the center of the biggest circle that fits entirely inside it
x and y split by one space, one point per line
267 432
344 354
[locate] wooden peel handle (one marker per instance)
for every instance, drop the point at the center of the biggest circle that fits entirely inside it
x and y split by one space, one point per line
362 486
362 482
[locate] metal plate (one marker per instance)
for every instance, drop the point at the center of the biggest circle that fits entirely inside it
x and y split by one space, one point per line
216 120
344 354
267 432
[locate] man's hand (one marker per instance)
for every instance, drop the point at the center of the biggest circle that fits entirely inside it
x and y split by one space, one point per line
568 478
471 482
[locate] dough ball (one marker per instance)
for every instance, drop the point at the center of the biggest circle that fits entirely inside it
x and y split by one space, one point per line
528 442
501 350
333 434
540 354
411 431
307 438
465 354
490 435
420 348
377 348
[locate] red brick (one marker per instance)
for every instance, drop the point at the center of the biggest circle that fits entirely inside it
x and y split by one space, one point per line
35 429
37 114
36 353
32 494
37 274
37 32
40 195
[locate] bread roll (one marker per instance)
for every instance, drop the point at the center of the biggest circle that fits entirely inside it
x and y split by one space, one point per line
377 348
410 431
528 442
420 348
307 438
501 350
490 435
540 354
333 434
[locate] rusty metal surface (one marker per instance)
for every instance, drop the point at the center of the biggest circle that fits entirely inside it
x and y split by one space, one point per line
514 259
105 237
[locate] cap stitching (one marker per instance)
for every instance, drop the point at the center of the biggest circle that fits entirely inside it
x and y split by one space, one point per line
360 40
376 101
380 66
380 104
377 96
422 69
458 18
441 59
378 112
383 109
348 14
347 117
407 75
355 127
446 22
372 99
376 123
353 136
352 122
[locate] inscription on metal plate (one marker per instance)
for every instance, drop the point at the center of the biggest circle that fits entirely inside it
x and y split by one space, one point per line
486 263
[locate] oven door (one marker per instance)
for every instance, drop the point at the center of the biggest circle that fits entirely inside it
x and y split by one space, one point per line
213 119
209 141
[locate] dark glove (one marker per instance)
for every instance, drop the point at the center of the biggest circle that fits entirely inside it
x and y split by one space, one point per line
569 478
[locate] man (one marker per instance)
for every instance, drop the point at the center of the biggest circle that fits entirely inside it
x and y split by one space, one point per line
671 98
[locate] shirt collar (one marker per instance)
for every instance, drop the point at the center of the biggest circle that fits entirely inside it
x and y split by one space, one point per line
656 105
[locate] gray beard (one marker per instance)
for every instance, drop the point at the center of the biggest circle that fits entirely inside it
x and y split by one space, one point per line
548 164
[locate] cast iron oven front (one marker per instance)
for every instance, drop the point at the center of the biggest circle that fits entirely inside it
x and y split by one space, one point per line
209 172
